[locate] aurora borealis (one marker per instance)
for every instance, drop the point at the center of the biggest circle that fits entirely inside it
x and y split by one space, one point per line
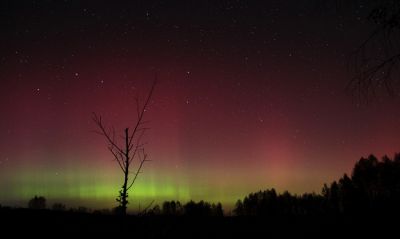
251 96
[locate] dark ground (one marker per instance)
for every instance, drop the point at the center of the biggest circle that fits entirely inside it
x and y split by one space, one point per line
18 223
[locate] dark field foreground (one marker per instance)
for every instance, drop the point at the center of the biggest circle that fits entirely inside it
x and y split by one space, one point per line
16 223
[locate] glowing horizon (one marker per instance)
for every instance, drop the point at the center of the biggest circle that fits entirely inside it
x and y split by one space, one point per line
247 100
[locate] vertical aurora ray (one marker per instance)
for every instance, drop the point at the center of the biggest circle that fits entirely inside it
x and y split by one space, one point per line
249 98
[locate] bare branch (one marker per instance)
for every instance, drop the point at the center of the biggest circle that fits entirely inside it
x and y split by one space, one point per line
142 161
144 211
137 107
367 80
118 159
99 123
143 110
138 146
379 55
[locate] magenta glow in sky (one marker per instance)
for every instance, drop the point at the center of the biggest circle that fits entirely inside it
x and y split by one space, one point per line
251 96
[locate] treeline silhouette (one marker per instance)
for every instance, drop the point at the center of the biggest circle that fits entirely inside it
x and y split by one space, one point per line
191 208
168 208
373 187
346 207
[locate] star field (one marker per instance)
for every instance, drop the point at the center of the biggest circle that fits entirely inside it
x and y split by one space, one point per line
251 96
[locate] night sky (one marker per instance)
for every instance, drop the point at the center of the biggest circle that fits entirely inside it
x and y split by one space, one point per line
250 96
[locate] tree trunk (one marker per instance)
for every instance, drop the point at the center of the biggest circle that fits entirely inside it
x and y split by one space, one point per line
124 196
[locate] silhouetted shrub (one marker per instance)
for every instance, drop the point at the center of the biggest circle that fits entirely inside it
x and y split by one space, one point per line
172 208
58 207
102 212
154 211
197 209
37 203
81 209
118 210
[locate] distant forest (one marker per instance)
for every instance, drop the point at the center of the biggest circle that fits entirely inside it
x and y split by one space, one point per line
372 188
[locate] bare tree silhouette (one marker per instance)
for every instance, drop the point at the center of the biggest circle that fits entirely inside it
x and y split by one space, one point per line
130 149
